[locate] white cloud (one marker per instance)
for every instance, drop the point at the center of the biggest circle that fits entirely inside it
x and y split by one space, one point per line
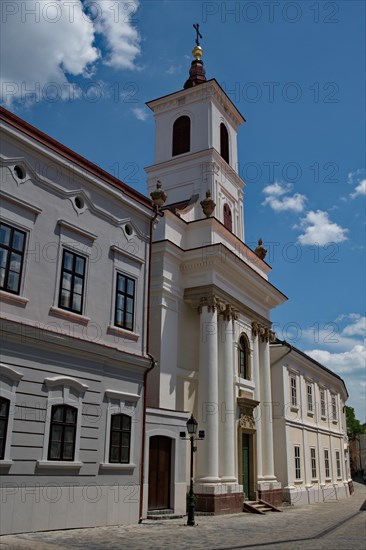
174 69
278 202
140 113
357 328
355 176
360 189
122 38
346 362
44 43
319 229
349 365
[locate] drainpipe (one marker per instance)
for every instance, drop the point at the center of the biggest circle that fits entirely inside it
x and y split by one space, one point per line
153 364
282 342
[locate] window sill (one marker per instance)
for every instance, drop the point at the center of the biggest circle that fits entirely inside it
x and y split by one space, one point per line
298 481
123 333
294 408
115 466
59 464
69 315
334 421
13 298
310 413
314 480
323 418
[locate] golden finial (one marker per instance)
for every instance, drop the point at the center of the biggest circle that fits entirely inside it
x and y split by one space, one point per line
197 53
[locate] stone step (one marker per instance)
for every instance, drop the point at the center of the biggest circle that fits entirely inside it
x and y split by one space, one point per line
258 507
163 514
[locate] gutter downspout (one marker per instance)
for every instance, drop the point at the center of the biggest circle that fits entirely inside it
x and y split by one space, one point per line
153 364
284 355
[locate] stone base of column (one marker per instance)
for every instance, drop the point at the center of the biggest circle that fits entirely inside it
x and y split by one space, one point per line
219 499
270 491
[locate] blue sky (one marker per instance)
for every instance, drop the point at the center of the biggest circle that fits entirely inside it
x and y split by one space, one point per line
295 70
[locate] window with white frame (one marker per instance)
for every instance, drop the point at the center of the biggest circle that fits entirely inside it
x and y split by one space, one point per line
61 444
120 439
326 463
122 409
125 302
313 462
309 392
334 408
322 403
293 387
72 282
338 464
9 380
297 462
62 433
12 244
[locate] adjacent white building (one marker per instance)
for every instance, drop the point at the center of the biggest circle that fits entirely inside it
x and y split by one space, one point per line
74 245
309 427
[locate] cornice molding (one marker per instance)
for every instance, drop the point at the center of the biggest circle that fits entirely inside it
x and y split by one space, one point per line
19 202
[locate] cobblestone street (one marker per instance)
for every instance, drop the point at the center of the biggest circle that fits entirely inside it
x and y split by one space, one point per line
333 524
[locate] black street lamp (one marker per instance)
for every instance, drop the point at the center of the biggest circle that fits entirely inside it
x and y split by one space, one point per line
192 425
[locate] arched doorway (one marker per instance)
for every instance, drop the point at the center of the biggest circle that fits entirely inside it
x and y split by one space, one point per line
159 472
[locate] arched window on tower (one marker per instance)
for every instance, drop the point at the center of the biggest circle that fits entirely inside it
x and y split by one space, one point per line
224 142
181 135
244 358
228 218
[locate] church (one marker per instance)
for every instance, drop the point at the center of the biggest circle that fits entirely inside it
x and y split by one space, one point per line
121 316
211 302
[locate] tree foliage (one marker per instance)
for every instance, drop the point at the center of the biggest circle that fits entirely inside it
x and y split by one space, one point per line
354 426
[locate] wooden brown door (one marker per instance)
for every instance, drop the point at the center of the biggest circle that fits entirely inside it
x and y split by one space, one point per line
159 472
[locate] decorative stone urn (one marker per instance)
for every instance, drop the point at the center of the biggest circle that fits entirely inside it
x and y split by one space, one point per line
260 251
208 205
158 196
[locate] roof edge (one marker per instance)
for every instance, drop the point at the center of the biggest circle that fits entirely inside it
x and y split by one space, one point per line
69 154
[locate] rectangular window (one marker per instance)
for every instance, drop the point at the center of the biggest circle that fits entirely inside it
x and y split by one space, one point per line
334 409
12 243
326 463
313 462
338 463
72 282
293 391
62 433
322 403
310 397
125 302
297 462
120 441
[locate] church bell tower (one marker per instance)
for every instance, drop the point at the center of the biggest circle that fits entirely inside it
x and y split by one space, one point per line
196 157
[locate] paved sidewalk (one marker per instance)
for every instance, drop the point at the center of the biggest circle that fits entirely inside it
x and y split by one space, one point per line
333 524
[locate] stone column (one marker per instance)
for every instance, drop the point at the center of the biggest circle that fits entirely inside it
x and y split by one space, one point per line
227 399
208 406
266 407
257 397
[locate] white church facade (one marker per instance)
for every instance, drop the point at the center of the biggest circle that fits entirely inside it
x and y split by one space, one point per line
211 298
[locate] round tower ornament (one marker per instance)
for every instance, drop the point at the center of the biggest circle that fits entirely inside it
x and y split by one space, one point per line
158 196
197 53
208 205
260 251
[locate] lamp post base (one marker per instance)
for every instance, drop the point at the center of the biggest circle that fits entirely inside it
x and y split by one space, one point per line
191 511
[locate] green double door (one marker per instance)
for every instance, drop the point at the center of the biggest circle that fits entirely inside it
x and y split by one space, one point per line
246 459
